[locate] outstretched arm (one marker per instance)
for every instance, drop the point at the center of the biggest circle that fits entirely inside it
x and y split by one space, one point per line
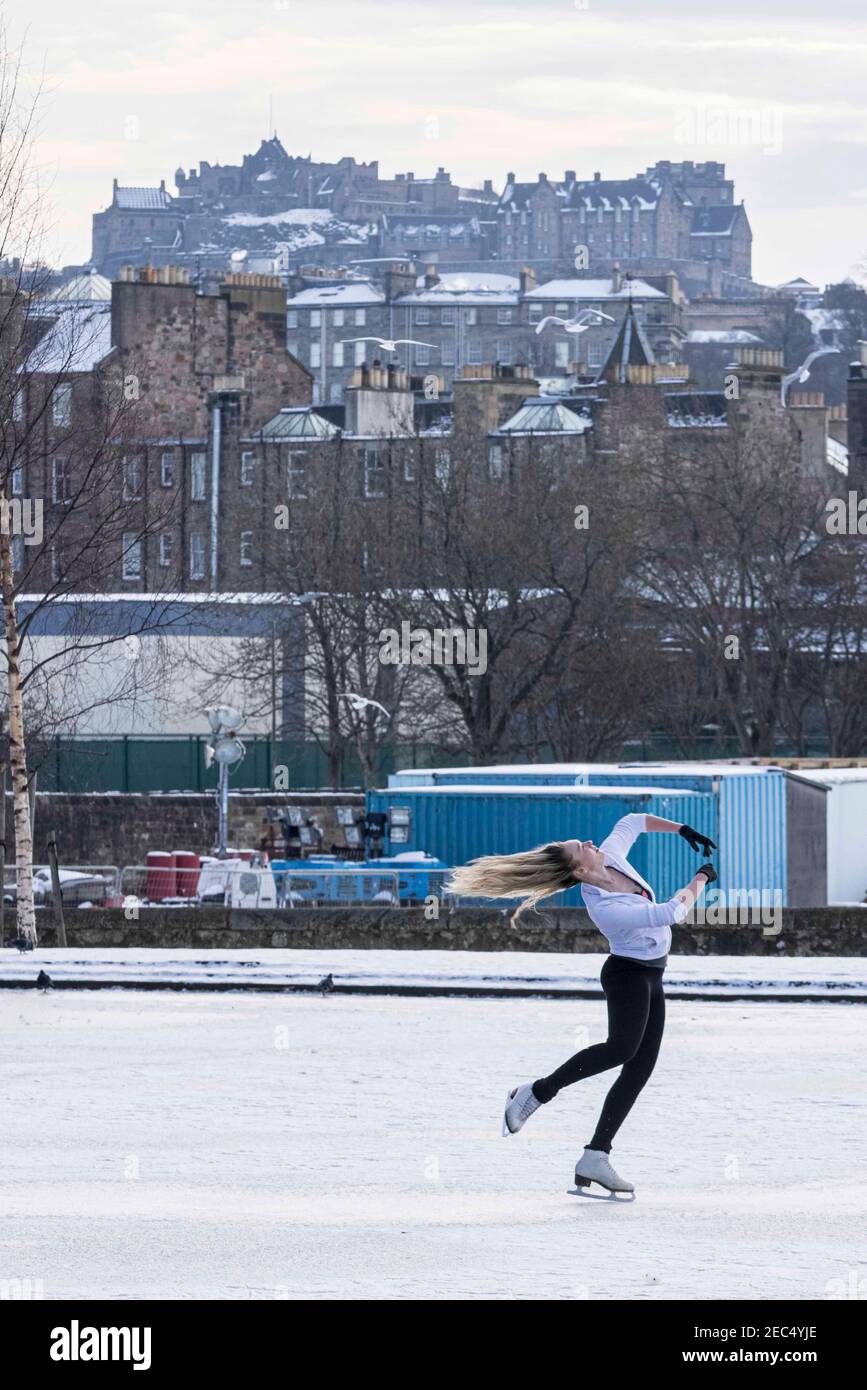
694 838
657 823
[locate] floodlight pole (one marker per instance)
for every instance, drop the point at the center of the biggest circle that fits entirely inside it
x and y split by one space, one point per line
222 811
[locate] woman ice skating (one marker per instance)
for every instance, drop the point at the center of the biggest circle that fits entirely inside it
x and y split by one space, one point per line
638 928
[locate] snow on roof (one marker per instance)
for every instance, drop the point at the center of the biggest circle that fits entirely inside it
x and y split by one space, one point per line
465 288
360 292
594 289
141 198
532 789
90 286
79 338
722 335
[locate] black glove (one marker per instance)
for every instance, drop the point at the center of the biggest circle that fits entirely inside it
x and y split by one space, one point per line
709 872
694 838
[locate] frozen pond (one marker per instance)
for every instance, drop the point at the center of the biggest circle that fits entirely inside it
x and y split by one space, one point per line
264 1146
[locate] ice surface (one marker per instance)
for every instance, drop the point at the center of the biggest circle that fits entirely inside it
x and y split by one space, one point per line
254 1146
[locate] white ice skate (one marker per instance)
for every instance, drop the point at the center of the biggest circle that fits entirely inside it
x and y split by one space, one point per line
520 1104
594 1166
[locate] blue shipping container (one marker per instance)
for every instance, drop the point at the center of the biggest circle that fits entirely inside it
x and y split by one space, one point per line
460 823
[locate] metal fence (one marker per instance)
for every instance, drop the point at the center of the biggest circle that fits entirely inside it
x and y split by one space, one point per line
95 884
148 886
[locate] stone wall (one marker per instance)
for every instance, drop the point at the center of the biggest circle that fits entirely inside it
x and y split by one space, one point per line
805 931
120 828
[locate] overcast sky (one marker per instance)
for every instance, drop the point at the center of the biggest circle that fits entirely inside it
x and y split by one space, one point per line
774 88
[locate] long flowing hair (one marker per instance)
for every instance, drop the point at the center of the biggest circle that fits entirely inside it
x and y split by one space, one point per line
532 875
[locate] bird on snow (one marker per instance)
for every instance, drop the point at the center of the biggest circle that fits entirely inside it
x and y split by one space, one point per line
43 982
359 703
391 344
326 984
588 318
802 373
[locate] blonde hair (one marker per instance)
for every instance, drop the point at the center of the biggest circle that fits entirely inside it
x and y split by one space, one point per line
532 875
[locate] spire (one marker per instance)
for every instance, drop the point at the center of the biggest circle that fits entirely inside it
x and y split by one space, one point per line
629 349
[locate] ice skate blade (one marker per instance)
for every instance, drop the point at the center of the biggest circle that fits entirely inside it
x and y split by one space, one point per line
608 1194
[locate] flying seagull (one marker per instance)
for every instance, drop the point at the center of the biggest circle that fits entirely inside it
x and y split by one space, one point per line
588 318
391 344
803 372
359 704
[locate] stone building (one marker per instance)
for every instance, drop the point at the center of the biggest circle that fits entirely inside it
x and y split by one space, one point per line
461 319
674 216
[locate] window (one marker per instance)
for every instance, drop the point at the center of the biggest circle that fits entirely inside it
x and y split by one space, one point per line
535 311
562 309
61 483
315 318
447 354
167 468
296 472
504 351
422 316
315 355
291 318
409 467
338 318
18 406
248 464
442 466
594 353
471 316
165 549
246 549
197 555
337 355
447 315
57 561
474 350
61 404
504 316
360 318
17 553
131 555
495 461
561 354
374 474
360 354
197 477
18 480
132 478
422 356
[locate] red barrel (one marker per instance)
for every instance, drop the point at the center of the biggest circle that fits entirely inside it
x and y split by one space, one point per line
160 881
187 869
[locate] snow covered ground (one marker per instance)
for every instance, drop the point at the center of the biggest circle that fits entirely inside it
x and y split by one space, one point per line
261 1146
831 977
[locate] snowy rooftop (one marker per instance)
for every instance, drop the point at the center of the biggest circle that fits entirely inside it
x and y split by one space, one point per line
89 287
147 199
352 293
594 289
727 336
465 288
78 339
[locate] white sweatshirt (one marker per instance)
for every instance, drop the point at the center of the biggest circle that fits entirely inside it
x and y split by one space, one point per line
633 925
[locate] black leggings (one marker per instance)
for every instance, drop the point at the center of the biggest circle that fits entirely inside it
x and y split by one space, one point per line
636 1019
